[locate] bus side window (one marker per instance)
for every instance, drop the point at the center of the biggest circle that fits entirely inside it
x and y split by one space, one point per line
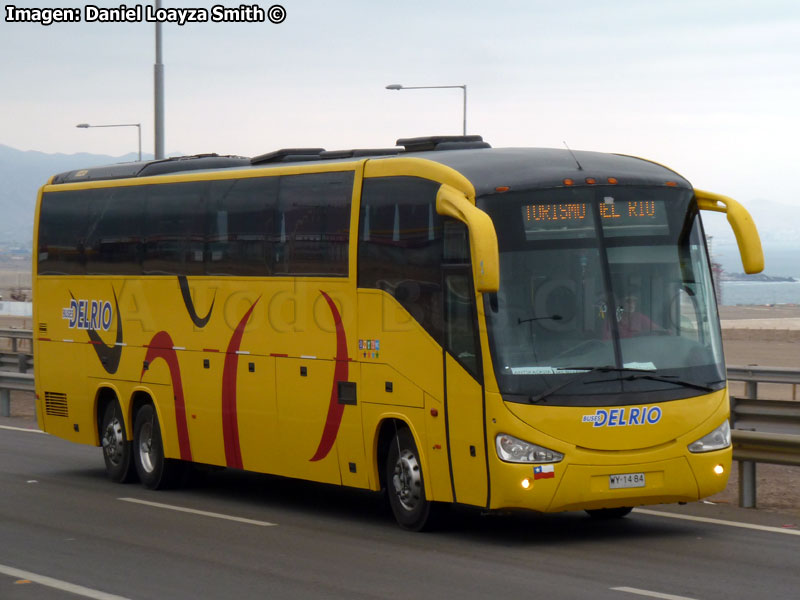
62 233
400 246
174 229
459 308
313 224
114 239
241 226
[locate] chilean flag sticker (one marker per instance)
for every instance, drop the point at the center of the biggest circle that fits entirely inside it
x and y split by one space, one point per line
544 472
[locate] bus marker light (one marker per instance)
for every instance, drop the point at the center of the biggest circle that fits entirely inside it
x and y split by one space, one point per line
591 180
612 180
568 182
434 412
671 184
502 188
526 483
719 469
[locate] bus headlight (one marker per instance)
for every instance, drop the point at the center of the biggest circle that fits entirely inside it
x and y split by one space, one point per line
515 450
716 440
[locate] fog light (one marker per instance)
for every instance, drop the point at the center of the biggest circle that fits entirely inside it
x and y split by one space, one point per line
526 483
719 469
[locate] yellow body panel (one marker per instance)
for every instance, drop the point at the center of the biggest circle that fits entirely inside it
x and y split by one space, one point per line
581 480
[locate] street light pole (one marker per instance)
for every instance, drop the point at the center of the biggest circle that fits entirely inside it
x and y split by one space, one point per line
397 86
158 88
137 125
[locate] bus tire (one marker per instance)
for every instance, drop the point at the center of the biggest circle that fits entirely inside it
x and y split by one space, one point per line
117 450
610 513
155 472
405 484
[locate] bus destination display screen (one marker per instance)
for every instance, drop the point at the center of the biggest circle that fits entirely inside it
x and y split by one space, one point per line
577 219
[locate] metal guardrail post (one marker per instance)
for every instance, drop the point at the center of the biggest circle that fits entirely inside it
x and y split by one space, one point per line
747 468
747 484
5 403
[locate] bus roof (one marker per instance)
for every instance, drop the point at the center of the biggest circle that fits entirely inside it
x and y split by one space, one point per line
485 167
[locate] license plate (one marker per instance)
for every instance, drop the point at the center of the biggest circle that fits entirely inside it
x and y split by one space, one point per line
626 480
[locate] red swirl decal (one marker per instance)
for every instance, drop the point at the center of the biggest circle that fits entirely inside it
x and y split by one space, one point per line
161 346
230 420
335 409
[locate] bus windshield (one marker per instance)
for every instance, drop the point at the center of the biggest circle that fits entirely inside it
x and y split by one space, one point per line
605 297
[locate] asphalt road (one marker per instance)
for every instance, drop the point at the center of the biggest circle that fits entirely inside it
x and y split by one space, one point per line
66 532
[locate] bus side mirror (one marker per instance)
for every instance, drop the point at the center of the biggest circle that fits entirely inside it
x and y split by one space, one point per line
743 228
482 236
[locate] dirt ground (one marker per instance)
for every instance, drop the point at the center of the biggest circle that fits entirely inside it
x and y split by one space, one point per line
778 486
15 277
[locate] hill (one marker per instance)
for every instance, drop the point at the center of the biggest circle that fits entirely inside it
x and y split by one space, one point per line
22 173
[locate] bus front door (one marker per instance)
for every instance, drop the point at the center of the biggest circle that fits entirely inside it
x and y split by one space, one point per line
464 391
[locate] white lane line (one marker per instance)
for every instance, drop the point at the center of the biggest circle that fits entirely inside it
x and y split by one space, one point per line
58 584
651 594
199 512
658 513
10 428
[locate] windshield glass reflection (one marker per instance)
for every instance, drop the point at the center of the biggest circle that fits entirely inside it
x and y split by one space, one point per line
611 281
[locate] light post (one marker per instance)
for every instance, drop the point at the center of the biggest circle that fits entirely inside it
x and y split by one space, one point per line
137 125
397 86
158 93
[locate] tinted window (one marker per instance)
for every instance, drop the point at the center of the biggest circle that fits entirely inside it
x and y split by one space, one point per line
175 229
114 236
293 225
400 246
241 226
62 233
313 225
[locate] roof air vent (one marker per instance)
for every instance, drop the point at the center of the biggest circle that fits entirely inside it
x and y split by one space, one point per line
442 142
287 155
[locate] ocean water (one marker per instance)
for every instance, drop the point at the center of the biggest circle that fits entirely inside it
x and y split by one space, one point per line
760 292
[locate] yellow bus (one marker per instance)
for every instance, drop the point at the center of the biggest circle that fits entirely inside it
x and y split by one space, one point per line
449 322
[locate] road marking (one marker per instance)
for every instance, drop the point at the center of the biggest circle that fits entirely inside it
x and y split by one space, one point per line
199 512
21 429
58 584
650 594
657 513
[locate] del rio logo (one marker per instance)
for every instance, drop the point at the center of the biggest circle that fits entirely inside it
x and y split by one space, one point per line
622 417
88 314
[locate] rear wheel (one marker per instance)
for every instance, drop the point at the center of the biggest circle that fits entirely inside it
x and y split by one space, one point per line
405 484
610 513
155 471
117 450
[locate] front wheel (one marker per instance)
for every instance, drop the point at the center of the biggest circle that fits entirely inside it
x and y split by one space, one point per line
155 471
117 449
405 485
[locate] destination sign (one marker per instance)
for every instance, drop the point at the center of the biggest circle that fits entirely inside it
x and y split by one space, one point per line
627 210
577 219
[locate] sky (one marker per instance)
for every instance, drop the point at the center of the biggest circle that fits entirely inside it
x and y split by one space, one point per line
710 88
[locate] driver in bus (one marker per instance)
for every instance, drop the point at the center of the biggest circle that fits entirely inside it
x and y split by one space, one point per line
630 321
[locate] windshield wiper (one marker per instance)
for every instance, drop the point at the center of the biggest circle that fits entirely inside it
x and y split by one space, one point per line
635 374
669 379
586 371
520 320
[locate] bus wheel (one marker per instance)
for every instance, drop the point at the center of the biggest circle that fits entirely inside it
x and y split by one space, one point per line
155 472
406 489
610 513
116 449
